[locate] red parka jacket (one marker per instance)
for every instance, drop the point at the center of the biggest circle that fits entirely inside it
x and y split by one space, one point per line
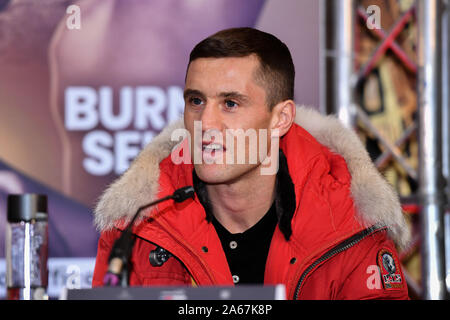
346 221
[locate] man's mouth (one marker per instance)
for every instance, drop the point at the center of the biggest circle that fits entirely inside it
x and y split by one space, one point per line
209 147
212 151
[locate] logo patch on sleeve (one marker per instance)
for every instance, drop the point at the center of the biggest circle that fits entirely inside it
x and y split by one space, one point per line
391 275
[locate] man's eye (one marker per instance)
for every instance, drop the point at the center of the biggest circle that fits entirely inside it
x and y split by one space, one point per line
230 104
196 101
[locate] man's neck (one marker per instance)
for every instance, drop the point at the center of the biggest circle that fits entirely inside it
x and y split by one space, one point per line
240 205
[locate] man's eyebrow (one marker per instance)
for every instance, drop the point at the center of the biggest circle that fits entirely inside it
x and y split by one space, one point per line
234 95
227 95
192 92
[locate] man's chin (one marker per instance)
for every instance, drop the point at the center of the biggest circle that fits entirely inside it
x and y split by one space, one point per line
211 173
221 174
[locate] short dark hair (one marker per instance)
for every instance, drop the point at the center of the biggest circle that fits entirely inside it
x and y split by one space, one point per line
276 72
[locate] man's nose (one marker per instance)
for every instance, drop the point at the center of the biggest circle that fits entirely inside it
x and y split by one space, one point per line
211 117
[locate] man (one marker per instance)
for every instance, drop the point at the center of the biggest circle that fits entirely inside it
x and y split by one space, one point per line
320 224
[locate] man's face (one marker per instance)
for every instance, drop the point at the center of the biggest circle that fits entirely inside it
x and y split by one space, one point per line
222 94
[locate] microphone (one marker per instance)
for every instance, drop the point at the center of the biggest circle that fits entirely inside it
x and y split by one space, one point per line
183 194
121 250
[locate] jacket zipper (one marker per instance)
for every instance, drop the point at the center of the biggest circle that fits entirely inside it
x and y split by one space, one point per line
344 245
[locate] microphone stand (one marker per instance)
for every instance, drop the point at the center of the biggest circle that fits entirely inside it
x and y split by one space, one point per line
121 250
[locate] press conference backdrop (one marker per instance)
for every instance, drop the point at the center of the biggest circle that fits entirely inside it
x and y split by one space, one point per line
84 85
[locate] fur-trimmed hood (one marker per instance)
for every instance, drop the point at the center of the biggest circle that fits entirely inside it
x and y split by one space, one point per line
374 197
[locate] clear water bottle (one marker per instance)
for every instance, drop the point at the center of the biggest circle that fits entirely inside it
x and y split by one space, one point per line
27 247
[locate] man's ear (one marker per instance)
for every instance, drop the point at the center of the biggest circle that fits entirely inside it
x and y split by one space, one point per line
283 115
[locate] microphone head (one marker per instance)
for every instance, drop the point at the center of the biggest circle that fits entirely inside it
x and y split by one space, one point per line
183 194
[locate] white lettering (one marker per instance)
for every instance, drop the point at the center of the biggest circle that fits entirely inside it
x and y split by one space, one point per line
112 150
269 165
80 113
74 279
176 103
107 117
269 162
374 20
240 136
374 280
74 20
181 153
100 160
150 103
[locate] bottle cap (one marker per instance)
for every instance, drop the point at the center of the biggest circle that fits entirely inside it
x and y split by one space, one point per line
27 207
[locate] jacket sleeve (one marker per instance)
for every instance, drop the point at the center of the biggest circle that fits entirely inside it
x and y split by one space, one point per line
372 270
105 244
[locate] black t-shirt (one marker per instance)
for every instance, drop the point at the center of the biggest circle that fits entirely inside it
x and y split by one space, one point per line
247 252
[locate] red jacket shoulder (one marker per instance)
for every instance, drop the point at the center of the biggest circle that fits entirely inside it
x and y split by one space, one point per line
370 269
